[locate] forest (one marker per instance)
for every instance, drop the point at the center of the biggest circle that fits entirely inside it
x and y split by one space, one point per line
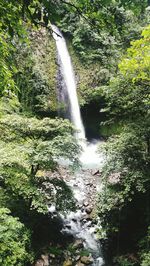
109 45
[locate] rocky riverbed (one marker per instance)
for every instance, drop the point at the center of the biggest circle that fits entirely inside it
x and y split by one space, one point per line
79 226
82 223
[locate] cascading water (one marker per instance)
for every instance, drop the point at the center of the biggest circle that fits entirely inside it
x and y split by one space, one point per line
69 80
76 223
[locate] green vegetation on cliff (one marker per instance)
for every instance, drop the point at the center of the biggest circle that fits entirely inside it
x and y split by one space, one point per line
30 146
124 203
36 75
112 64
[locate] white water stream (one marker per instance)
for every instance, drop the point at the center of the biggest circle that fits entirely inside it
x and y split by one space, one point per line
89 157
69 79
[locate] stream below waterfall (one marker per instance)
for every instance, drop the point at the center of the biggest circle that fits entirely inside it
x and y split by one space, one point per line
86 182
85 185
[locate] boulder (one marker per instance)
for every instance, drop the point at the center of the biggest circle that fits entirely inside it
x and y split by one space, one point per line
88 210
80 264
77 258
85 203
74 220
39 262
86 260
78 244
45 258
67 263
86 218
43 261
68 226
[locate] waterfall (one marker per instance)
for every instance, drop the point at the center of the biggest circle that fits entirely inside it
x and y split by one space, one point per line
69 82
76 223
89 156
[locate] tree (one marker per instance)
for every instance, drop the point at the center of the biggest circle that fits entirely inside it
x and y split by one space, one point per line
11 24
28 147
16 15
14 240
136 65
126 173
30 150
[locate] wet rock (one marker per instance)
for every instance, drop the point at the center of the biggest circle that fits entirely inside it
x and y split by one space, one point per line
74 220
45 258
88 210
80 264
85 203
67 263
78 244
86 260
67 254
96 173
91 185
43 261
52 256
68 226
88 218
85 218
77 258
39 262
75 185
92 230
89 223
87 183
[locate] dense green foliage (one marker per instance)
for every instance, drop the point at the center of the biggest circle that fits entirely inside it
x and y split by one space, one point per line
124 203
36 73
30 147
33 140
98 39
29 151
14 240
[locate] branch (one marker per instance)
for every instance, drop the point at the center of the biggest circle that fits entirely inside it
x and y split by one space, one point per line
81 14
77 9
40 23
88 20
